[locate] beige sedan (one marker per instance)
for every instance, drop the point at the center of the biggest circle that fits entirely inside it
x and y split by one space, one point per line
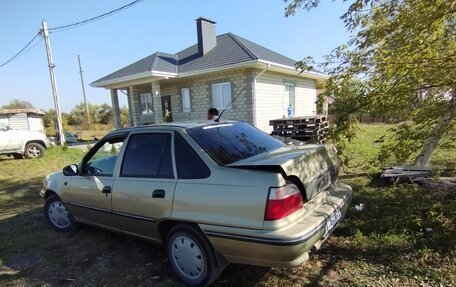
211 193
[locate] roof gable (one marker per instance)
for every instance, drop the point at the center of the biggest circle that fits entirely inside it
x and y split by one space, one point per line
230 50
264 53
158 61
227 52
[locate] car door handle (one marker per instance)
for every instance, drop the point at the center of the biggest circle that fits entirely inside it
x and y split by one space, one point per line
106 190
158 193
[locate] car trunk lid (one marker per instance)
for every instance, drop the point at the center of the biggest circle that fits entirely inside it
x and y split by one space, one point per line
315 165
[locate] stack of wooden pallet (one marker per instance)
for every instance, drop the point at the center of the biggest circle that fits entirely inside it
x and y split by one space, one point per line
311 129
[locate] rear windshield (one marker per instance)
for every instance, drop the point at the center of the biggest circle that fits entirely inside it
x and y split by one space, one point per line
228 143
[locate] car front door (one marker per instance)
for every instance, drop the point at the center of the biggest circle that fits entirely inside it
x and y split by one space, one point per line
145 187
89 194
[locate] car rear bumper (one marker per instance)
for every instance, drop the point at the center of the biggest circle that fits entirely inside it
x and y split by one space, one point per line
285 243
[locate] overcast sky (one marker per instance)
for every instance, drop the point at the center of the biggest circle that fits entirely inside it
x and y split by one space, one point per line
125 37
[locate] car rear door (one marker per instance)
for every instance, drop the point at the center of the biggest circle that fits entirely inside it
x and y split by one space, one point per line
145 187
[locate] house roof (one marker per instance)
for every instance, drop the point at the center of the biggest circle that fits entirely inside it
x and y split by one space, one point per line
21 111
230 50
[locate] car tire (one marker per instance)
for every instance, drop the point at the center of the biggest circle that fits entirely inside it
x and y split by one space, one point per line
191 256
34 150
57 215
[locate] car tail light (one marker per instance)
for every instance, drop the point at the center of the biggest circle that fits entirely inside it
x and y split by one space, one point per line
282 201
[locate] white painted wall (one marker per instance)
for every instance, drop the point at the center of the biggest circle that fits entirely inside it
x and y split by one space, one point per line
23 121
19 121
270 98
35 123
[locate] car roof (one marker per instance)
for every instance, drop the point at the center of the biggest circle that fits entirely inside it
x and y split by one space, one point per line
172 126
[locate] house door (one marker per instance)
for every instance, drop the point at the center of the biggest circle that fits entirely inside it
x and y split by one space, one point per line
166 108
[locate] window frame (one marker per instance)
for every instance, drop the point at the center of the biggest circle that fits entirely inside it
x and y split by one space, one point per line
207 170
170 140
94 150
291 94
185 98
2 125
219 86
207 140
144 102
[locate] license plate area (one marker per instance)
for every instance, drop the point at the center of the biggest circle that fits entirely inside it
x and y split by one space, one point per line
332 223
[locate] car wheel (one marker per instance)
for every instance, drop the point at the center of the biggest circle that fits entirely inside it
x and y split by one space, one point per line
34 150
57 215
191 256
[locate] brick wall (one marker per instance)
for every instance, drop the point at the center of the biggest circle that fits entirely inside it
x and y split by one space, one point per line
269 97
201 95
135 109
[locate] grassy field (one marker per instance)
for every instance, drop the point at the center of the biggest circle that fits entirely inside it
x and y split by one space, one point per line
405 236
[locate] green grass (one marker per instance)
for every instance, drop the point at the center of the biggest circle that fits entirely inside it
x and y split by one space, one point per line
362 152
406 236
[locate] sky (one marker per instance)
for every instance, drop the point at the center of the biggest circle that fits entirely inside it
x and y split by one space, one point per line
116 41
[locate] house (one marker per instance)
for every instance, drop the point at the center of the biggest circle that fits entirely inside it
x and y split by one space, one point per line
23 119
182 86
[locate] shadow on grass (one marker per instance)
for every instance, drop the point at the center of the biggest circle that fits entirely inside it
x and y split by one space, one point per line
387 233
34 254
16 195
403 227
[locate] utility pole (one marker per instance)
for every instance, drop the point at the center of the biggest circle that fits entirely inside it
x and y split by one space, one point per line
45 33
83 92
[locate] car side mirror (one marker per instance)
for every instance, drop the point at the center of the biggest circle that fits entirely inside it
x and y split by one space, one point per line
70 170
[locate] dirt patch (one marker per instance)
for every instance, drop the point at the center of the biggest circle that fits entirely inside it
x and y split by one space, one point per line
23 261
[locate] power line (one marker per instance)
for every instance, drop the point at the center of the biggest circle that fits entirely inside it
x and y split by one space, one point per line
19 53
70 26
84 22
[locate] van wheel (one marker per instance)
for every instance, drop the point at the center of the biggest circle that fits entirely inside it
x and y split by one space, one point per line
191 256
34 150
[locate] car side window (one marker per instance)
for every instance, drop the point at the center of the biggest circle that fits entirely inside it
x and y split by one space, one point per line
189 164
148 155
102 162
3 127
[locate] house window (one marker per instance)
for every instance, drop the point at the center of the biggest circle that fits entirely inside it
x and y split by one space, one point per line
145 102
221 95
186 107
289 100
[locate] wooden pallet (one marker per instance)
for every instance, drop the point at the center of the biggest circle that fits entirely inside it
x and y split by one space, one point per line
312 129
299 120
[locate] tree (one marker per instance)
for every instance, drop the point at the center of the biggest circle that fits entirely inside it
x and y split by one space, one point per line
18 104
402 57
104 114
49 121
124 116
48 118
78 115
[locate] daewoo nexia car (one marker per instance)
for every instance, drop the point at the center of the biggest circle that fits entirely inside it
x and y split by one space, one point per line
211 193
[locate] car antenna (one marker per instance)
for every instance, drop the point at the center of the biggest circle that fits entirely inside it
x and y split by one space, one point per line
218 119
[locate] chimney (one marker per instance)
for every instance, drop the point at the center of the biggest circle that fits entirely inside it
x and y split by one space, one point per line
207 39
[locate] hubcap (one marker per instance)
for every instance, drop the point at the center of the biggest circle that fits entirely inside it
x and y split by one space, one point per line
187 256
59 215
33 152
